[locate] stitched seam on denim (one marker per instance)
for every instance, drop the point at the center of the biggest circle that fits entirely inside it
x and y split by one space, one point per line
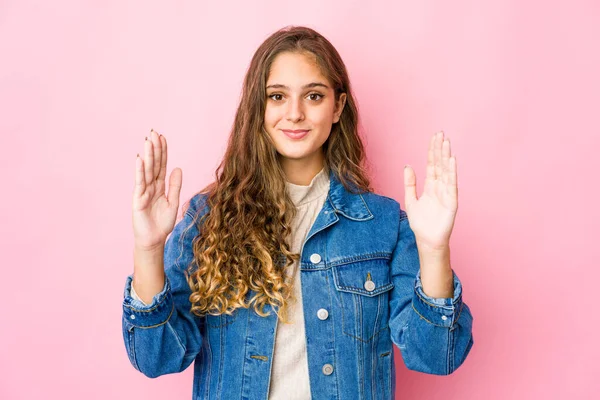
132 349
221 355
363 292
210 364
374 350
162 323
380 312
245 353
362 219
177 338
332 316
361 372
365 203
356 337
272 354
449 363
147 310
369 339
379 370
454 303
388 377
382 364
433 323
374 361
228 321
385 255
458 316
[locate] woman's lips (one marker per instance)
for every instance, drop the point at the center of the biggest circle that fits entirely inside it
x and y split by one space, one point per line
295 133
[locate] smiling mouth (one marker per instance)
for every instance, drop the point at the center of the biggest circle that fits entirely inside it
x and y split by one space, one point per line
295 130
295 133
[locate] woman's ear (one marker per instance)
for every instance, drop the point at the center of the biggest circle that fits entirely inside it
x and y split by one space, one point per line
339 107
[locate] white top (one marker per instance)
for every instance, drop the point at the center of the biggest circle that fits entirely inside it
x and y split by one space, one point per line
290 364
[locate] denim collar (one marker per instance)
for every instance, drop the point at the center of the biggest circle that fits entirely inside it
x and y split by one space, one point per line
350 205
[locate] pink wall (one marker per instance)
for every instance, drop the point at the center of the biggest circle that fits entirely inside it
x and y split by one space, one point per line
515 85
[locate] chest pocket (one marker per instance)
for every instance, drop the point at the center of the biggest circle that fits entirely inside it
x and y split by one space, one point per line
363 291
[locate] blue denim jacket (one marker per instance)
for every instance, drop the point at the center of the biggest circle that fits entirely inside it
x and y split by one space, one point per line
359 262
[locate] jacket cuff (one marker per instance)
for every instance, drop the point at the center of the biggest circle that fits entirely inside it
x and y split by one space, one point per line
144 315
438 311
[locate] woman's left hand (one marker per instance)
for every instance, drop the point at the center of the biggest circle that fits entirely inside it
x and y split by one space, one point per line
431 216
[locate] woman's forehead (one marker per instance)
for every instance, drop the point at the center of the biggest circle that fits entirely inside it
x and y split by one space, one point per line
295 71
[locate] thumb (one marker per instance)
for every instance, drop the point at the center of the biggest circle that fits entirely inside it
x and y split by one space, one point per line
410 186
175 180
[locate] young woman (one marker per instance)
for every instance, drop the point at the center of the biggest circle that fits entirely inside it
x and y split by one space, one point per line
287 277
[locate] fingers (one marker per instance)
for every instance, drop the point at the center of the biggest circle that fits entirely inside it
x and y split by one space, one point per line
174 187
149 162
157 149
446 159
452 184
430 173
163 160
410 186
439 170
140 183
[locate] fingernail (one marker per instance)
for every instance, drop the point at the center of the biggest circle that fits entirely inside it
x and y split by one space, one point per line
146 138
151 130
138 156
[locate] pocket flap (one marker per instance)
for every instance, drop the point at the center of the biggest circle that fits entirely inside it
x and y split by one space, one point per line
367 277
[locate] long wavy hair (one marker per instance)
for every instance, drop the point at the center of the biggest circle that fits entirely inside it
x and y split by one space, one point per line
243 238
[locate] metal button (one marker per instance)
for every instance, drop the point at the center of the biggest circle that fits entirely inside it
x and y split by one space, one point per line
369 285
327 369
315 258
322 314
444 317
132 316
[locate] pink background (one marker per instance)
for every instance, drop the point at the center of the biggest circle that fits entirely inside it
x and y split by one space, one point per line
515 85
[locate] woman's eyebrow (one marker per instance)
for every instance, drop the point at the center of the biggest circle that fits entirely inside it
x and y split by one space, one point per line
309 85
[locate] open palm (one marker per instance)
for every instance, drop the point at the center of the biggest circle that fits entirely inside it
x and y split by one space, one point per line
154 212
431 216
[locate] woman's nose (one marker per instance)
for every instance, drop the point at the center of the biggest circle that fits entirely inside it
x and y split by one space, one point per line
294 110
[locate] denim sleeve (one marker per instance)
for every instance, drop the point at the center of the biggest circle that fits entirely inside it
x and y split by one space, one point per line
164 337
434 335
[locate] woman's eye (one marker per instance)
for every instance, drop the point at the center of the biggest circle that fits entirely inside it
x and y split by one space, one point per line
312 96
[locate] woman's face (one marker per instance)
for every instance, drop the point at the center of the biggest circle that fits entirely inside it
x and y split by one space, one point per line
299 97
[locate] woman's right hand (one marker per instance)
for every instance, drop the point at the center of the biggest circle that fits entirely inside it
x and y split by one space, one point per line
154 213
